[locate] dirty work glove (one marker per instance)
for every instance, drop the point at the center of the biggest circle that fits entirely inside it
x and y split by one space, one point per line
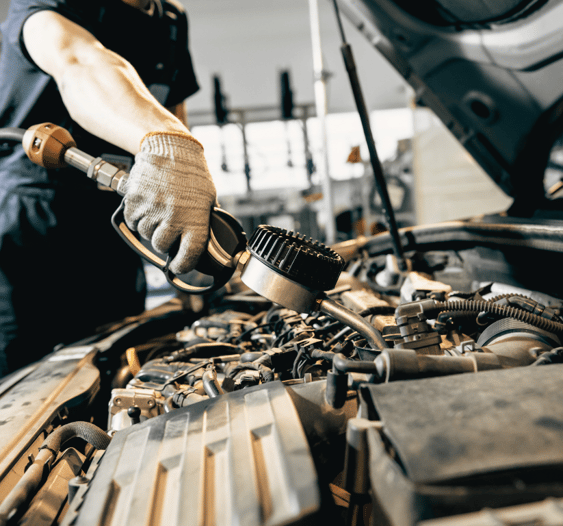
169 195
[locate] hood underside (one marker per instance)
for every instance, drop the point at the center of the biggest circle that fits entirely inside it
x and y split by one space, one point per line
491 73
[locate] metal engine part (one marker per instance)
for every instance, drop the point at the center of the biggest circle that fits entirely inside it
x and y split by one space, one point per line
132 406
289 269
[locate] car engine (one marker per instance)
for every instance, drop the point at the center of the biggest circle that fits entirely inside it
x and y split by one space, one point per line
338 385
394 397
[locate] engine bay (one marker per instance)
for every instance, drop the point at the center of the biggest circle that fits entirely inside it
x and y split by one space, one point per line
408 378
396 397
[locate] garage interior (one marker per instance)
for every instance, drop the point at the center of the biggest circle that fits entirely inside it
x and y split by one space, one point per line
270 167
247 50
342 393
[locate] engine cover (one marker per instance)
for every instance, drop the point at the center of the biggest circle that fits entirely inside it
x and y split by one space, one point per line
242 458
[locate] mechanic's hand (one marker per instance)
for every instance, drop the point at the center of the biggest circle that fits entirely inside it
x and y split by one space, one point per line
169 195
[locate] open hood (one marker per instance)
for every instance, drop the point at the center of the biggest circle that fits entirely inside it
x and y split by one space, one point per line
491 71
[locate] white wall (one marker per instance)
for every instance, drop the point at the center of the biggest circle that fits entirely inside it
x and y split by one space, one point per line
247 42
449 184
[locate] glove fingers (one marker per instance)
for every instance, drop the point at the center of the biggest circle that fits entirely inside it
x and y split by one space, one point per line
136 208
164 237
191 248
169 194
146 227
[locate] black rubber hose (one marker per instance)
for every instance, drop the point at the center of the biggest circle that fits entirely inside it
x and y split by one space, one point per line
12 134
382 310
341 364
502 311
337 377
354 320
455 314
84 430
267 373
324 355
446 316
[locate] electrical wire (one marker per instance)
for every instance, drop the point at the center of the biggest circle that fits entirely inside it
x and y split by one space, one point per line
243 334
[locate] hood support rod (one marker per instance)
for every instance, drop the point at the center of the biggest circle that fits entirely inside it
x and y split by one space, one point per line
374 157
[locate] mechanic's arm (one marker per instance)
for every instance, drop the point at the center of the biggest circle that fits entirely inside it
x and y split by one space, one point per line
170 192
101 90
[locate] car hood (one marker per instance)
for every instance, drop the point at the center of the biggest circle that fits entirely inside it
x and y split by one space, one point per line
491 73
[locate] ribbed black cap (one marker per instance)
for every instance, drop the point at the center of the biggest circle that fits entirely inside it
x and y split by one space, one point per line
308 262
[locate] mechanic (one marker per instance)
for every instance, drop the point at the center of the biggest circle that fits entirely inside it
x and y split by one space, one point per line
114 73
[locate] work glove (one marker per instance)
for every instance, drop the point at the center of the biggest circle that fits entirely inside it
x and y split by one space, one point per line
169 195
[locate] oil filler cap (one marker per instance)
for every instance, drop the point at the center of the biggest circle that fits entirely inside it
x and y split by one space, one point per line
290 269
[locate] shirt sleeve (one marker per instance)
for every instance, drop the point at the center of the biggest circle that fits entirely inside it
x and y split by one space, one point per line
184 82
102 20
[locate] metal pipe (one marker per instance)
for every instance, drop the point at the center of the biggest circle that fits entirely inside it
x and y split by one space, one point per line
78 159
341 313
321 105
49 450
12 134
210 384
26 486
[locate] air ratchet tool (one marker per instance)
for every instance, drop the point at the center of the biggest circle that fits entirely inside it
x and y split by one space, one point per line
282 266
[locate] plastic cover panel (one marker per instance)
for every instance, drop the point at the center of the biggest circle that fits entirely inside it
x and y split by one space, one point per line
463 425
241 458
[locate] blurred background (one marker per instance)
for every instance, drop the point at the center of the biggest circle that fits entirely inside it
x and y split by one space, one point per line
270 154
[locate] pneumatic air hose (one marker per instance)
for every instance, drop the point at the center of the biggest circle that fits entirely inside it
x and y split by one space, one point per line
11 134
475 307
